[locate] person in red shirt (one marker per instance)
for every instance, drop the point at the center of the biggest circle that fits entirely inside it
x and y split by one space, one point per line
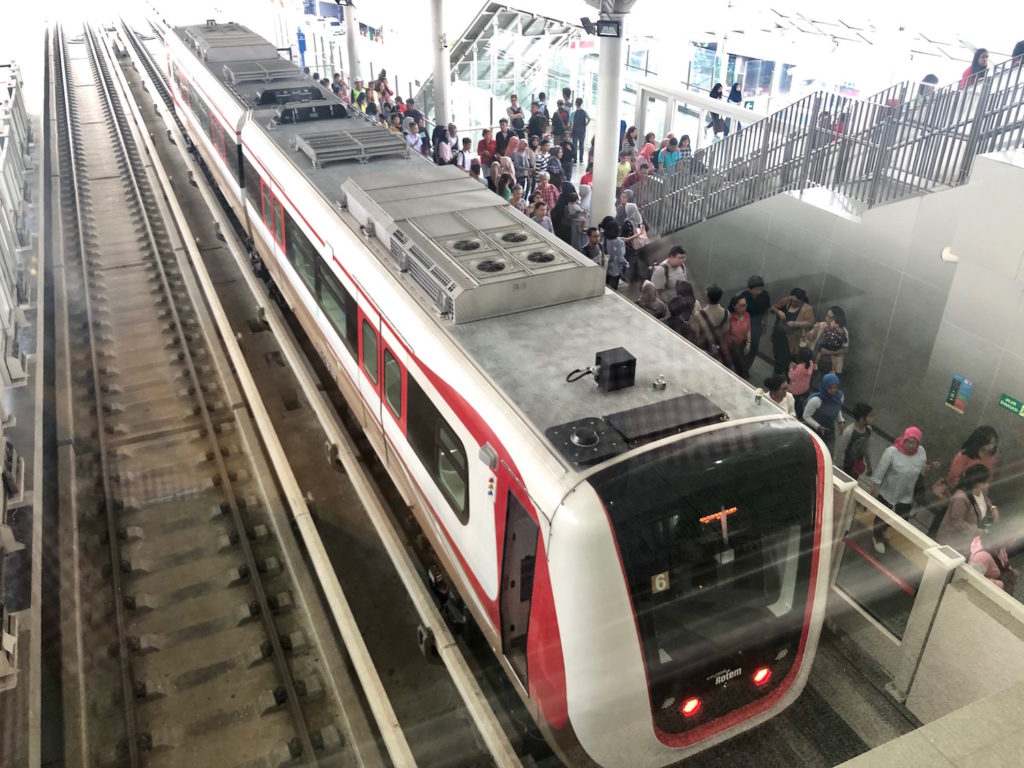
981 447
737 336
486 148
975 72
588 178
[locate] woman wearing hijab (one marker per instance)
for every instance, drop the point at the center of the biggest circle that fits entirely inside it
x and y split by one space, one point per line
979 66
576 218
647 152
895 477
823 411
559 220
717 123
794 316
735 97
651 302
970 509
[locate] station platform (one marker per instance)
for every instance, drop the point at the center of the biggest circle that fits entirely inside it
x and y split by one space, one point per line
986 734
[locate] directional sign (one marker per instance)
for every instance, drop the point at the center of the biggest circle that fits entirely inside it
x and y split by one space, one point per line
1012 404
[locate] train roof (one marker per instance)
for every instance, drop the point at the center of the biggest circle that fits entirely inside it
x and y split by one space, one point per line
524 307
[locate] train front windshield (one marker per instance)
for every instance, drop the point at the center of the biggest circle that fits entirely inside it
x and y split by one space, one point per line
716 534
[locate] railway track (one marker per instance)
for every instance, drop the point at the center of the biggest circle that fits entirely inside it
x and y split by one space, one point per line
189 646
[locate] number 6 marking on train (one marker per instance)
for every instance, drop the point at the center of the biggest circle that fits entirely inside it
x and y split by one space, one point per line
659 583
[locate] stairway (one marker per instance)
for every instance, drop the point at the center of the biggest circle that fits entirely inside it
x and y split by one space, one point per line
864 152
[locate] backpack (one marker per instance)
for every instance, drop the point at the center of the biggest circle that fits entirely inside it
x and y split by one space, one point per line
557 124
457 158
651 270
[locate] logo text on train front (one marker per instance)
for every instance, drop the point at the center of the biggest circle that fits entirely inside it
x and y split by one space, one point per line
725 675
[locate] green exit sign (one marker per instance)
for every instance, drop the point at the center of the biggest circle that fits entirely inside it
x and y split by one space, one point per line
1012 404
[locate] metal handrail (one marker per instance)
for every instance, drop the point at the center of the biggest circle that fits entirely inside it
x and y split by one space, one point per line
872 151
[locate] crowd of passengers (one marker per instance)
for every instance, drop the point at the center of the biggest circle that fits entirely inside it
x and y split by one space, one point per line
531 162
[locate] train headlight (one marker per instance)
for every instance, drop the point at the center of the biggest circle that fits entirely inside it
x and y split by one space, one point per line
762 676
690 707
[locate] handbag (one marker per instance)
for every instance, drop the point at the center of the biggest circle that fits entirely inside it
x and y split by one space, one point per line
641 239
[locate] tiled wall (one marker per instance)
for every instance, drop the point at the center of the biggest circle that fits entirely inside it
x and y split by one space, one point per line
914 320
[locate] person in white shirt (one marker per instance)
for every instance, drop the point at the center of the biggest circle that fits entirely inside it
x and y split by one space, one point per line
895 477
412 138
777 388
666 274
464 157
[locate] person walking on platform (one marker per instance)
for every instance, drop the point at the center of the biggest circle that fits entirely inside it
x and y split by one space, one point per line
823 411
538 125
578 122
669 272
737 334
778 390
759 305
852 444
895 477
970 509
794 316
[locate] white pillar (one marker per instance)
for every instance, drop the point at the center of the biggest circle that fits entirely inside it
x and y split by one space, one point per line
442 70
606 127
351 30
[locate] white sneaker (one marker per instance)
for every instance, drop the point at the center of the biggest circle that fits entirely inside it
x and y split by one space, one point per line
879 546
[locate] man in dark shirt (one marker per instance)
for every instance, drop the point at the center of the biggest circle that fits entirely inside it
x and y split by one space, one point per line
759 305
411 111
502 136
538 124
592 250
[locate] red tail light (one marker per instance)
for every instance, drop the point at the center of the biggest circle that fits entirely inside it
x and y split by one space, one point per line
762 676
690 707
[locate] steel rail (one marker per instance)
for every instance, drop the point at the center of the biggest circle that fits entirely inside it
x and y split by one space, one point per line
127 678
266 614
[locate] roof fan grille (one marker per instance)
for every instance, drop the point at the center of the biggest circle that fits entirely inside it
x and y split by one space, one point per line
514 237
540 257
466 245
490 265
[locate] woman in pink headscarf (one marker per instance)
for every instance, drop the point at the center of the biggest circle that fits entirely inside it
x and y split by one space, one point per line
895 477
647 151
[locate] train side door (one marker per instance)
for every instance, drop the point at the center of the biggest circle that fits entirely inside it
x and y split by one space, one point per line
370 377
518 561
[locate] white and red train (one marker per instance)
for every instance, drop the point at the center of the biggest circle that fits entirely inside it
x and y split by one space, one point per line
649 564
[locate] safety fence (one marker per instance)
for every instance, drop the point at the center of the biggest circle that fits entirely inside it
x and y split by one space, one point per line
916 608
904 141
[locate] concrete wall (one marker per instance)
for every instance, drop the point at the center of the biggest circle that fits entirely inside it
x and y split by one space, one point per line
914 320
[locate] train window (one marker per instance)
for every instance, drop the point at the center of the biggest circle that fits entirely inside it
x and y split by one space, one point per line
424 432
393 384
452 470
252 181
301 253
370 351
338 305
268 204
279 223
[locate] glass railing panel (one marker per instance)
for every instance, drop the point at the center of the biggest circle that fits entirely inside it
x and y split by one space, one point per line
884 581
